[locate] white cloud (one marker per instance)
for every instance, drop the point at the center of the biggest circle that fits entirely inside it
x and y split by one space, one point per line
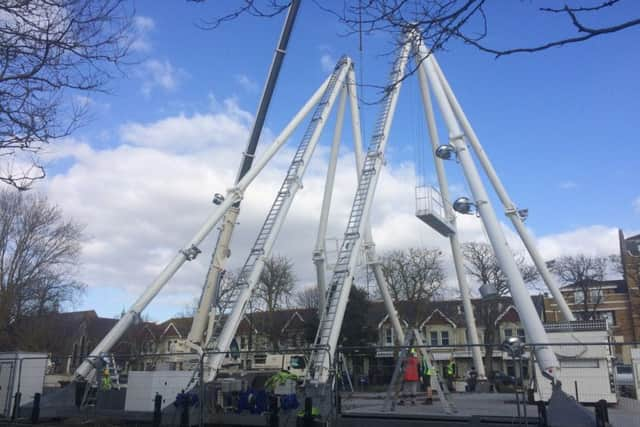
156 73
327 62
636 205
142 26
145 197
595 240
568 185
246 83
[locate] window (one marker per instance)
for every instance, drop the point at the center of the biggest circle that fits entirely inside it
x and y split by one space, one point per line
624 369
297 362
578 297
388 335
444 336
596 296
243 342
608 316
579 363
521 335
434 338
508 332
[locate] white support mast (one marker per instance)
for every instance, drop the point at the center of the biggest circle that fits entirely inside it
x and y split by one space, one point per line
268 234
531 321
340 284
511 210
369 245
191 250
458 260
319 253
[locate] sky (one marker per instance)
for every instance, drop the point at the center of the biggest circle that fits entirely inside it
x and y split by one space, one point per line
560 127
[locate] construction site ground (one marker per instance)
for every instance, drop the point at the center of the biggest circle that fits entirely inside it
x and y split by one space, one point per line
625 414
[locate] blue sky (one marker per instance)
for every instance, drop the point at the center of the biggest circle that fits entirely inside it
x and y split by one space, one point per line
560 127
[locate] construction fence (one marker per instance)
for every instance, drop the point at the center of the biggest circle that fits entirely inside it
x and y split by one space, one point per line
589 372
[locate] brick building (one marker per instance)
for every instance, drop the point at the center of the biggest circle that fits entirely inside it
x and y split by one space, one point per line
616 301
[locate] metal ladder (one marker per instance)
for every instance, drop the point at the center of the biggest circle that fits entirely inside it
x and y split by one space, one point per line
395 387
114 374
344 374
341 272
396 379
257 249
443 395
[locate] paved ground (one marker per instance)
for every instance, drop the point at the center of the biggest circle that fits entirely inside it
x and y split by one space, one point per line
626 414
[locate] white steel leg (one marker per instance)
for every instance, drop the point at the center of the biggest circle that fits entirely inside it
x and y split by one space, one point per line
191 249
369 245
510 208
531 321
458 260
233 321
319 253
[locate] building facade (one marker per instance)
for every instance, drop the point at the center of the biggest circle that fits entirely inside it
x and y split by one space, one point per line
616 301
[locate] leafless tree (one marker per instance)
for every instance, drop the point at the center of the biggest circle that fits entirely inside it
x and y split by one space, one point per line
39 252
440 23
308 297
586 273
487 312
274 292
415 275
51 52
628 267
276 285
482 265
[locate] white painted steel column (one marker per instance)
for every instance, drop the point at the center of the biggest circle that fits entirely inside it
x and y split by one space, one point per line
458 260
233 321
233 195
531 321
369 245
510 208
334 334
319 253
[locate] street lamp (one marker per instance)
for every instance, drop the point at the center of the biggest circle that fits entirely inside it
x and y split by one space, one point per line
515 347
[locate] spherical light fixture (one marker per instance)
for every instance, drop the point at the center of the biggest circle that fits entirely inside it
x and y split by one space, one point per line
445 152
218 199
463 205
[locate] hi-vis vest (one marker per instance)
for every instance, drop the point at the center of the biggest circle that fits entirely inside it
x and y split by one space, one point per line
424 367
451 368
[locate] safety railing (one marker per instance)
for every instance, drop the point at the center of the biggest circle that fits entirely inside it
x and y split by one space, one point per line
361 375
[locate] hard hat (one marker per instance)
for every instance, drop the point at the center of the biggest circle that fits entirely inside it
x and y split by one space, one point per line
412 351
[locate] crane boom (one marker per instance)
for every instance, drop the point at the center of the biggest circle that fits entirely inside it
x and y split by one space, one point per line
221 251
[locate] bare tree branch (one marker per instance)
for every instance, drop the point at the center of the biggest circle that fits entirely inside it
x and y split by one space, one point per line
439 22
39 252
51 50
586 273
415 274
